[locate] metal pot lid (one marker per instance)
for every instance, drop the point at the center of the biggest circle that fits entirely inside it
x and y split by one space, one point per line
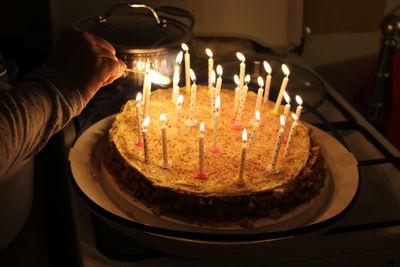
138 32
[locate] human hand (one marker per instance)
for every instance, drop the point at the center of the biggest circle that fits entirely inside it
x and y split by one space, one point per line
88 60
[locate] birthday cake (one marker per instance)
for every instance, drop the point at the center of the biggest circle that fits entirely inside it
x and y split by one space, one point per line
218 197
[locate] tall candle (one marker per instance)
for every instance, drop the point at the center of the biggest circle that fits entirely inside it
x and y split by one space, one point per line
213 94
299 107
272 166
165 162
179 112
139 118
243 96
187 66
267 81
242 69
146 123
213 148
256 125
191 121
237 92
210 65
259 93
201 173
292 133
287 106
147 89
219 80
240 179
283 88
175 87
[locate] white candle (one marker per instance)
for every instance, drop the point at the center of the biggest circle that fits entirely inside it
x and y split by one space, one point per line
243 96
259 93
267 81
139 118
214 148
187 66
292 133
299 107
287 106
147 89
219 80
191 121
283 88
213 94
146 123
210 66
165 162
242 69
240 179
175 87
272 166
237 92
179 112
201 172
256 125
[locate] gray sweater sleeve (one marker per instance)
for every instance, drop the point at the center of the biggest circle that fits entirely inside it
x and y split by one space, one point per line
31 112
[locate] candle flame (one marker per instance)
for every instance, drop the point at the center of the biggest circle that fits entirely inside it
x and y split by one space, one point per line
282 120
217 103
240 56
213 77
285 70
258 116
244 135
236 79
163 117
267 67
247 78
185 47
158 78
179 101
139 97
260 81
176 78
146 121
209 52
192 76
219 70
294 116
179 57
202 127
287 97
299 100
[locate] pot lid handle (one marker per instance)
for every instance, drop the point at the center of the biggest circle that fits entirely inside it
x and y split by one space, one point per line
102 19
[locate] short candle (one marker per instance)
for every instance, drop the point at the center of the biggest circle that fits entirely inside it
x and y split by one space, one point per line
146 123
237 92
299 107
191 121
242 68
214 149
283 88
219 80
165 162
292 133
139 118
210 65
272 166
268 69
187 66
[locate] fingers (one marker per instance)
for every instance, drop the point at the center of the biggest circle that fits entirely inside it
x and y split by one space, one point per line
99 42
117 69
103 52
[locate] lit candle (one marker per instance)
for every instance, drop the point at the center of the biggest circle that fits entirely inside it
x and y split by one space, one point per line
146 88
282 89
139 118
213 148
219 80
292 133
243 96
146 123
179 112
272 167
299 107
237 92
165 163
213 94
191 121
240 179
210 66
267 81
177 70
287 106
259 93
242 70
187 66
255 129
201 173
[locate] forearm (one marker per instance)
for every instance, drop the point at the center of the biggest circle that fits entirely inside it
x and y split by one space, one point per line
31 113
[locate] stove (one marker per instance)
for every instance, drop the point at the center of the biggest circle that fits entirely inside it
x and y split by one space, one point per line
368 234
